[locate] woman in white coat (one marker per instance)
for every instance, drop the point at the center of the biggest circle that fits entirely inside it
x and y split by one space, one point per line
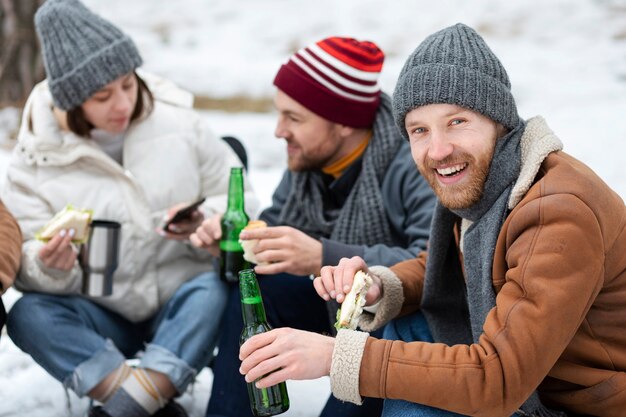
97 135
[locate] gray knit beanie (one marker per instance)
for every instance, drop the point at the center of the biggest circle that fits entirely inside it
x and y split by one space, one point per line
455 66
82 52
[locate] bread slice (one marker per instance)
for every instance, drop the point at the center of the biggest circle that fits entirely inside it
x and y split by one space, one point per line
249 245
352 306
68 218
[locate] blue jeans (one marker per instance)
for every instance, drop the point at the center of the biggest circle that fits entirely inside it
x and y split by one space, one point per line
411 328
79 342
290 301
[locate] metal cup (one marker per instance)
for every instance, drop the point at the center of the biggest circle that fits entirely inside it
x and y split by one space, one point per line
98 257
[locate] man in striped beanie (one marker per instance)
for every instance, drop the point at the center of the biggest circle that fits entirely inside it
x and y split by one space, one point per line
351 188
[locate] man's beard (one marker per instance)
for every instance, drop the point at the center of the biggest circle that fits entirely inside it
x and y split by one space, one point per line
299 164
459 196
314 159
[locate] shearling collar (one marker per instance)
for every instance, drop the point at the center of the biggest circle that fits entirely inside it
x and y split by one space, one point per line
537 142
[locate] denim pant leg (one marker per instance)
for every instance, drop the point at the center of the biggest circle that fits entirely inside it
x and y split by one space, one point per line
289 301
411 328
186 330
73 339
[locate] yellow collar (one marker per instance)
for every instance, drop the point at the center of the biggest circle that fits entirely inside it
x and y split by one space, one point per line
337 168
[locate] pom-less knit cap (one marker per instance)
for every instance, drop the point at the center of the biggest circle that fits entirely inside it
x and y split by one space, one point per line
455 66
82 52
336 78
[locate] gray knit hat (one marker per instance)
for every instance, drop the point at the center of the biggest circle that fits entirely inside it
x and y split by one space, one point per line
455 66
82 52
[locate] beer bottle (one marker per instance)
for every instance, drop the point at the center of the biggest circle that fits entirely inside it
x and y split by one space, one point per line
263 401
235 219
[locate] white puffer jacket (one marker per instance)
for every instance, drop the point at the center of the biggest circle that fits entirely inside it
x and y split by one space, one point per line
169 157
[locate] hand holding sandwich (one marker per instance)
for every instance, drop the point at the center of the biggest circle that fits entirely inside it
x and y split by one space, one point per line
284 249
58 252
67 226
336 281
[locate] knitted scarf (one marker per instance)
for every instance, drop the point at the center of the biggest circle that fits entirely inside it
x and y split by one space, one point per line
456 313
362 220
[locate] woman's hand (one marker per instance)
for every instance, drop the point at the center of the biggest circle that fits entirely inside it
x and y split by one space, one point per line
336 281
59 253
182 229
208 235
282 354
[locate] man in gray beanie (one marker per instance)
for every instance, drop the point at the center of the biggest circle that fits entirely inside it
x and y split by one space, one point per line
519 305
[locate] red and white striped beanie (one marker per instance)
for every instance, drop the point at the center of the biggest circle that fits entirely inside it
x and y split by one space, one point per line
336 78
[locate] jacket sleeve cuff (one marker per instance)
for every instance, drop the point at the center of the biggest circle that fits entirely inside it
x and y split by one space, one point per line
346 364
390 304
333 251
35 276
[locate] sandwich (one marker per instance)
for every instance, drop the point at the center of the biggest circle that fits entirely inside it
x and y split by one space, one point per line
249 245
68 218
352 306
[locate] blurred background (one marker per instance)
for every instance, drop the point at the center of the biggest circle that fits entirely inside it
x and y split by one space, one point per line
566 61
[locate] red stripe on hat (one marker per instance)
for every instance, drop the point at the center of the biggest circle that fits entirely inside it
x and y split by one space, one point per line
337 70
337 84
364 51
367 50
364 56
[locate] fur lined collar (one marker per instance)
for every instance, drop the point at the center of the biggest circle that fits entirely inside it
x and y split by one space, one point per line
537 142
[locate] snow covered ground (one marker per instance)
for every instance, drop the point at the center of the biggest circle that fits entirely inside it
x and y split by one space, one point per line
566 61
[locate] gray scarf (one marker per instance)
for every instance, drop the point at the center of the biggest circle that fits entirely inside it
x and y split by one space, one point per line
362 220
456 313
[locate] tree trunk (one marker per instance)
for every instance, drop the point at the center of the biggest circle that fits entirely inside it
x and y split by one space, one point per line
20 60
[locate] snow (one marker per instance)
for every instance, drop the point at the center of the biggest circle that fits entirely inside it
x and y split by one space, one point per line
566 61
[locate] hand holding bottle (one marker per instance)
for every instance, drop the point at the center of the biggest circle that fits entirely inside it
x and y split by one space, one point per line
271 399
281 354
208 235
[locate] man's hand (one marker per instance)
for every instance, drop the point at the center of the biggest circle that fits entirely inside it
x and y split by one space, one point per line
285 249
282 354
59 253
181 230
336 281
208 235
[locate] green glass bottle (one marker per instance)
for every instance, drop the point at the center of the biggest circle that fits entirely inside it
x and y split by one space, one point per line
263 401
235 219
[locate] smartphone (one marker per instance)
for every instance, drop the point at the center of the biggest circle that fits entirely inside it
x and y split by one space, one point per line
183 214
